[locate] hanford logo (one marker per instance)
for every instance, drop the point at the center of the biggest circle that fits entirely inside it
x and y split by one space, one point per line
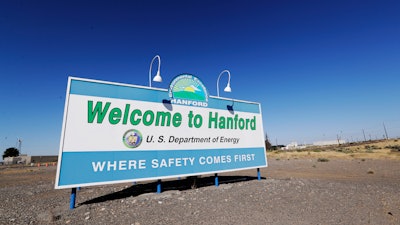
187 89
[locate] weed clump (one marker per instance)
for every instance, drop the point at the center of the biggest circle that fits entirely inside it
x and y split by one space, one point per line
371 147
394 148
323 160
344 150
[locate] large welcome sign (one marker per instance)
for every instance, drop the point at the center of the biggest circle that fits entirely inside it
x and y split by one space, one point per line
114 133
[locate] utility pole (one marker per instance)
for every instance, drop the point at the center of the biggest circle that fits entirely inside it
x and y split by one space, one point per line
385 131
19 145
365 139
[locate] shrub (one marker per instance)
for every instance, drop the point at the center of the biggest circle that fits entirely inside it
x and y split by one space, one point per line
394 148
371 147
323 160
345 150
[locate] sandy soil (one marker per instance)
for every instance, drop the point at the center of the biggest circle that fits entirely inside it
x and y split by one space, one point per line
294 190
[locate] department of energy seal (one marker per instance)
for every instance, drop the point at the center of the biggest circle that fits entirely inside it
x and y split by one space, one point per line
132 138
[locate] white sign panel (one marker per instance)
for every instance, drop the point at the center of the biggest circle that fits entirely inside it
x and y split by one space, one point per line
114 133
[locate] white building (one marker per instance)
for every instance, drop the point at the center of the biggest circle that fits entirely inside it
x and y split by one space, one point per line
21 159
293 145
333 142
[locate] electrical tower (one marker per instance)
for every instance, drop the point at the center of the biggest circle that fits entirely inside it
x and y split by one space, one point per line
19 145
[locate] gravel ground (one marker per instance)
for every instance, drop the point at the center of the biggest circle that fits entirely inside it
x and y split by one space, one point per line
297 191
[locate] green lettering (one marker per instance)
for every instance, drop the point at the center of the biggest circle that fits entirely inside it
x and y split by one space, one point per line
177 120
212 120
190 115
115 115
241 123
98 111
148 118
126 113
229 123
132 119
253 123
221 123
163 116
236 121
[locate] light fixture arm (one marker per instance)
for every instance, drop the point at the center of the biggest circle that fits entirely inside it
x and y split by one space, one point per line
227 88
157 78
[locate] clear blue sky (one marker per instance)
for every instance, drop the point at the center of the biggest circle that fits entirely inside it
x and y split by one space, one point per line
318 68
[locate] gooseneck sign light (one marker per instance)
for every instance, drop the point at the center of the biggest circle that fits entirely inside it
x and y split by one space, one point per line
157 78
228 87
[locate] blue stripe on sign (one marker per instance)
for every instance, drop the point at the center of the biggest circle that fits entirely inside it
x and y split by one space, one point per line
80 87
94 167
107 90
233 106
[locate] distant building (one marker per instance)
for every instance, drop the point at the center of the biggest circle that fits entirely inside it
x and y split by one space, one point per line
44 159
333 142
293 145
21 159
25 159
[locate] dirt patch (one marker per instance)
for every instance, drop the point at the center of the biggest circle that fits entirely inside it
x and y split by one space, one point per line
297 190
356 184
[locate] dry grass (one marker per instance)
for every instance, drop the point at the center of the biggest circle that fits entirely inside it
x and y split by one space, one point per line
383 149
16 170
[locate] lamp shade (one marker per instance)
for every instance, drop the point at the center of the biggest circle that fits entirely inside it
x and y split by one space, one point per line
228 88
157 78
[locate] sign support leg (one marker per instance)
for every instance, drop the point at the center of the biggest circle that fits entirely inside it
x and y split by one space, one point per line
72 198
258 174
216 180
158 186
